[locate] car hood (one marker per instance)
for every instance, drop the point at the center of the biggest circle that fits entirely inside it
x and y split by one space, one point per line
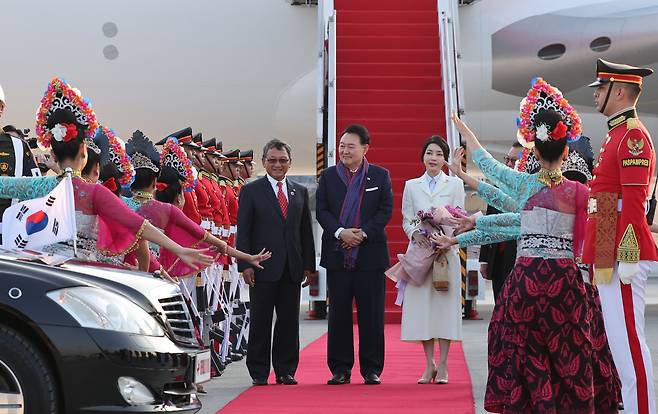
142 288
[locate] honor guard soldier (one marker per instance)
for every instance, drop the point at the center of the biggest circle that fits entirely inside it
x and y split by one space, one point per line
218 161
214 159
247 158
235 167
622 259
220 165
203 190
209 181
197 153
231 194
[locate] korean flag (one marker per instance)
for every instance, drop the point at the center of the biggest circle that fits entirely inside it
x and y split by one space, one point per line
42 221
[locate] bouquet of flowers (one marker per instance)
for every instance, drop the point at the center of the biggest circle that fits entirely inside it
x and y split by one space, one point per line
422 258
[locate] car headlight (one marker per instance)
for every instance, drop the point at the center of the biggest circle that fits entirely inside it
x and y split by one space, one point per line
101 309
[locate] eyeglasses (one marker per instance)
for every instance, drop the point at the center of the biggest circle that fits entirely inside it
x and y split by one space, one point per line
273 161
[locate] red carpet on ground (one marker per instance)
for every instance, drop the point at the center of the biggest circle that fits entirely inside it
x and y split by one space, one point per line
398 392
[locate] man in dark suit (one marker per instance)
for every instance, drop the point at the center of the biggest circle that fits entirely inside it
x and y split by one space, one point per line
354 204
274 214
497 260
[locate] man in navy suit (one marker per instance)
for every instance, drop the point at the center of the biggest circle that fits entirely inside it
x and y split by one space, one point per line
274 214
354 204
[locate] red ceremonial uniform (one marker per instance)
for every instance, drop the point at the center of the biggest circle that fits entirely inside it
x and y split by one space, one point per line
625 167
231 201
191 208
203 199
222 218
618 240
209 210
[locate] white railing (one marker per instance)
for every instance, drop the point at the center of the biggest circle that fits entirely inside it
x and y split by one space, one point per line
327 78
452 84
323 17
331 107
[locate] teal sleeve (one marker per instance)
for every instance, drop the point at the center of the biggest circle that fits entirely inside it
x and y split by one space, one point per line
26 188
520 186
507 179
504 223
497 198
492 229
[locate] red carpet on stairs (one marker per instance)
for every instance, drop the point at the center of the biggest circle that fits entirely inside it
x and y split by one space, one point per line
398 392
389 79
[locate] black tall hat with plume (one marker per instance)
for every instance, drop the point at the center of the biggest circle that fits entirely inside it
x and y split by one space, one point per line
142 152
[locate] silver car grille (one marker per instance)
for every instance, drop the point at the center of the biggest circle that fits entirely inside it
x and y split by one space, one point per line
178 319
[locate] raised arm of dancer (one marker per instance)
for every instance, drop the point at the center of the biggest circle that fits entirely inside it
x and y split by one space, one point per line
487 192
456 168
26 188
472 142
192 257
252 259
195 230
114 212
488 229
514 183
497 198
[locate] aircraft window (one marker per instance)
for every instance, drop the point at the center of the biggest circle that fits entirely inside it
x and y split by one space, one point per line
551 52
110 52
600 44
110 29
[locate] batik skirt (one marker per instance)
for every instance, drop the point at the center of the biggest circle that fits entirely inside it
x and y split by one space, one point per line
548 352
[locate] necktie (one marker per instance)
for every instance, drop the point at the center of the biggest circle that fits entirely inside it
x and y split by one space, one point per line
432 184
283 201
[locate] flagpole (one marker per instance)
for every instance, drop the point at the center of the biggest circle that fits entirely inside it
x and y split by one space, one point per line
69 177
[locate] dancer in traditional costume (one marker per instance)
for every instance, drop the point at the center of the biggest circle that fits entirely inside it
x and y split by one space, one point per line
578 167
168 215
541 344
105 226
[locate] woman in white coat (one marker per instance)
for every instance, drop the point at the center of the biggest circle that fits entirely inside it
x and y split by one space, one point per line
429 315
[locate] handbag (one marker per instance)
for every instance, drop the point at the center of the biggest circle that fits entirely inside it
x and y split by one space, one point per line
441 273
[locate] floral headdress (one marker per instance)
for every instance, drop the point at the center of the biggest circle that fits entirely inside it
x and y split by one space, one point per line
543 95
117 154
174 156
60 95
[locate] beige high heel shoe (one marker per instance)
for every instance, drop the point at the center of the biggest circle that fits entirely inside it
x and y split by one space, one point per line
442 375
424 380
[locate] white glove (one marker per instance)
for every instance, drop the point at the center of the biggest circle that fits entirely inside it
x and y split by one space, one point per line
626 271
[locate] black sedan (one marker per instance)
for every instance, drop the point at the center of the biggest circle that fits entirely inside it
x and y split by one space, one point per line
81 337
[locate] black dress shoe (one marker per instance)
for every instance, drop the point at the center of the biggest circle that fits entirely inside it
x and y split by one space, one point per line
339 379
372 379
259 381
286 380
